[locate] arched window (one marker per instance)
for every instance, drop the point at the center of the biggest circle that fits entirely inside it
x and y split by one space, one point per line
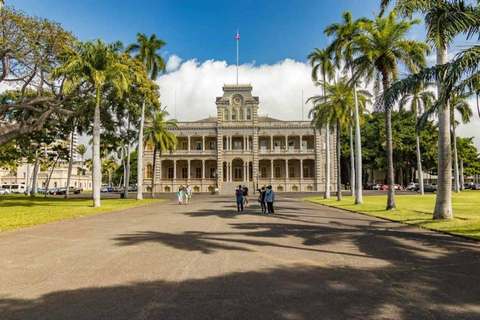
249 114
148 173
226 115
234 114
240 116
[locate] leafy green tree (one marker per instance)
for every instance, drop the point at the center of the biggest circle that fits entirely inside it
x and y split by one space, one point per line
96 64
321 62
380 49
335 108
109 166
158 135
444 21
148 53
343 47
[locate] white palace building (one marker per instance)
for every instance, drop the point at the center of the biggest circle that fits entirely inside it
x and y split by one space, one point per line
240 147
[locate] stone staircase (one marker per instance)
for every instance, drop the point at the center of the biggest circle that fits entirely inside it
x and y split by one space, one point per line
228 188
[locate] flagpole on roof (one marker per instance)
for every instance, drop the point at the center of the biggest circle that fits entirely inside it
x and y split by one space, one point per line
238 38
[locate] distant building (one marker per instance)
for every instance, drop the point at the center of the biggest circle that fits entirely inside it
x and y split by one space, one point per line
240 147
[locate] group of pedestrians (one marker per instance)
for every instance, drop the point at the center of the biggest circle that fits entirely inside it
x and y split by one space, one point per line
266 198
184 194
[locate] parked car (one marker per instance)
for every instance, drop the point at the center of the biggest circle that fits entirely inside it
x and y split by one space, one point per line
376 186
411 186
104 189
4 191
52 191
61 191
398 187
468 186
427 188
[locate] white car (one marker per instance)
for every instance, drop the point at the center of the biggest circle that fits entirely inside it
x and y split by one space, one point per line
4 191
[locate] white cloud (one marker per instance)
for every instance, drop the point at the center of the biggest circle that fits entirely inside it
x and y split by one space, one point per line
471 129
173 63
278 86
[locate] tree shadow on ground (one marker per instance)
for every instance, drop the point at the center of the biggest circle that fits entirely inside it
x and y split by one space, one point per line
294 292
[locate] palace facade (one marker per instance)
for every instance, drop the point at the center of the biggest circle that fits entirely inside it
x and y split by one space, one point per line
240 147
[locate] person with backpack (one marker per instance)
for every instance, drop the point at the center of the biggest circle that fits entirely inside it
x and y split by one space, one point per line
239 195
180 195
188 194
261 199
270 199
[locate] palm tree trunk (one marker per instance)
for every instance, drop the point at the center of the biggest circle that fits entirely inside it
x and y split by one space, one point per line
35 174
388 123
126 168
455 157
327 162
153 170
339 171
327 152
110 177
140 156
358 153
419 161
50 175
70 163
96 165
443 201
352 164
462 181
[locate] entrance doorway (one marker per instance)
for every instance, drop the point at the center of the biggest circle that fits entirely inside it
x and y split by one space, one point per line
237 170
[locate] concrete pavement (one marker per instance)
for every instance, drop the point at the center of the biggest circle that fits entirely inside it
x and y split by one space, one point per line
206 261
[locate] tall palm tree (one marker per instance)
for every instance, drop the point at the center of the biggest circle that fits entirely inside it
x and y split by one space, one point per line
95 63
419 100
335 108
159 136
81 150
109 166
321 62
380 48
345 34
444 20
457 103
147 50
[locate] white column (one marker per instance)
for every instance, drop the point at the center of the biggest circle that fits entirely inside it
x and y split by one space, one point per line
188 169
244 143
203 143
244 172
174 169
248 171
271 143
286 143
301 140
286 169
231 172
188 144
271 170
301 169
160 170
231 143
203 169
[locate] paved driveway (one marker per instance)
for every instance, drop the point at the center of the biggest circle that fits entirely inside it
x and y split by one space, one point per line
205 261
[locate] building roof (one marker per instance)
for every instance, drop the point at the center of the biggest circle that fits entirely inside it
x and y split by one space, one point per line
209 119
268 119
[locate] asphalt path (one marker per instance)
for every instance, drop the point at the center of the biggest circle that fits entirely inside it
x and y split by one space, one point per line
207 261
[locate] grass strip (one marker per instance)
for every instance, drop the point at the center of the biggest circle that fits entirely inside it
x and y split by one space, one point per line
19 211
417 210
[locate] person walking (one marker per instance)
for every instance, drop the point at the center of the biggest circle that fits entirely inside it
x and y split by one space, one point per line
239 194
261 199
188 194
180 195
245 195
270 199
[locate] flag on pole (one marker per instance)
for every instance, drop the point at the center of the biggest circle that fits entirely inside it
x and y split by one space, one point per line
238 36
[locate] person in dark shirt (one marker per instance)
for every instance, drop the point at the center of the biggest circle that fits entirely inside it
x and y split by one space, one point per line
245 195
261 199
239 195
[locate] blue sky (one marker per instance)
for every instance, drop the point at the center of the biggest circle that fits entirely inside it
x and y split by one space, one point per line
270 31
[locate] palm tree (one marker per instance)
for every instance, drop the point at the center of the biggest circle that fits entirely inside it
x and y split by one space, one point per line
97 64
419 100
158 135
81 150
335 108
444 20
321 62
147 49
457 103
109 166
345 33
380 49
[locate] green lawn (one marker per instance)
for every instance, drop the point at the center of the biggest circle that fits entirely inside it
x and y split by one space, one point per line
18 211
417 210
